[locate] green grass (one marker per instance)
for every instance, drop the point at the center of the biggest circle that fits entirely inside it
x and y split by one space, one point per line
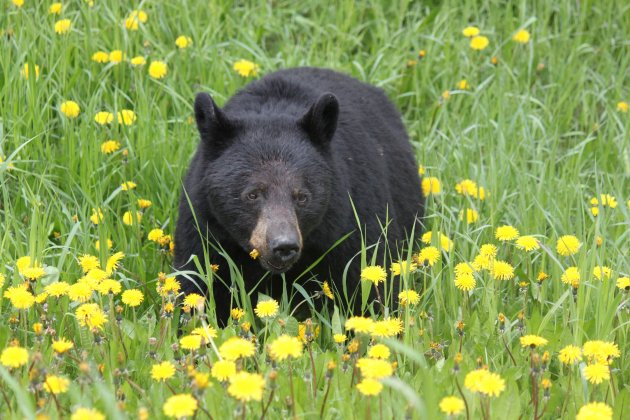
540 130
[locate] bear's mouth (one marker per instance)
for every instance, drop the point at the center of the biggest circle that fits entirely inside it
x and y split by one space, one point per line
273 268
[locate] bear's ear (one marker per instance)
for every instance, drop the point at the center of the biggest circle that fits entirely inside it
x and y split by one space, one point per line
212 123
320 121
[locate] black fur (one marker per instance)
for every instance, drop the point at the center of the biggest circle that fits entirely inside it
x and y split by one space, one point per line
317 131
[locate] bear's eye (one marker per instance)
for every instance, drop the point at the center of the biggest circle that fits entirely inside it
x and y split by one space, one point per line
252 196
301 198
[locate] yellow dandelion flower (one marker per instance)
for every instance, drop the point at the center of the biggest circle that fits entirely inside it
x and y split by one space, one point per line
83 413
109 286
421 170
55 9
374 368
91 315
254 254
533 341
267 308
479 42
183 41
13 357
522 36
463 269
379 351
374 273
527 243
596 373
465 282
246 386
485 382
471 216
236 348
104 117
463 84
25 72
62 345
18 3
370 387
571 276
431 186
623 106
468 187
595 411
88 262
446 95
132 297
191 342
110 146
162 371
428 256
126 117
56 384
570 355
33 273
57 289
284 347
180 406
144 203
623 283
128 185
360 324
568 245
63 26
327 292
340 338
237 313
70 109
128 218
600 351
138 61
100 57
223 370
506 233
20 297
116 56
193 300
113 262
97 244
158 69
408 297
246 68
452 406
207 332
403 267
387 328
602 272
470 31
155 235
502 270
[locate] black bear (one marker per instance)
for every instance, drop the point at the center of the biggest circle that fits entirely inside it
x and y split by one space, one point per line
281 171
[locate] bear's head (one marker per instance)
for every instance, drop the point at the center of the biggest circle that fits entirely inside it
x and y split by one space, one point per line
267 179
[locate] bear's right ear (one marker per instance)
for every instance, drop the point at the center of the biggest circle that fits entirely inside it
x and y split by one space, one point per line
320 121
212 123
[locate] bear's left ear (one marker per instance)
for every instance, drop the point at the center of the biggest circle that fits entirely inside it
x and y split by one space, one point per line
212 123
320 121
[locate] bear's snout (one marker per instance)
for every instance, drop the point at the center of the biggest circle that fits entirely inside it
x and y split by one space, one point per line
277 238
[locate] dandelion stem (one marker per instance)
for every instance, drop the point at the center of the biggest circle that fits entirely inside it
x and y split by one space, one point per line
6 400
314 382
266 407
291 385
459 388
321 410
508 350
612 385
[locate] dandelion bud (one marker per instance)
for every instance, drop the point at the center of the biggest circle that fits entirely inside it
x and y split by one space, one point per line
38 328
84 367
479 362
353 347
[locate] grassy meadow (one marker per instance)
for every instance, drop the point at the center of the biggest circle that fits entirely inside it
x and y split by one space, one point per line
514 305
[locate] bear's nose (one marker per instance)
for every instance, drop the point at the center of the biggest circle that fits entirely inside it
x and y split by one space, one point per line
285 249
